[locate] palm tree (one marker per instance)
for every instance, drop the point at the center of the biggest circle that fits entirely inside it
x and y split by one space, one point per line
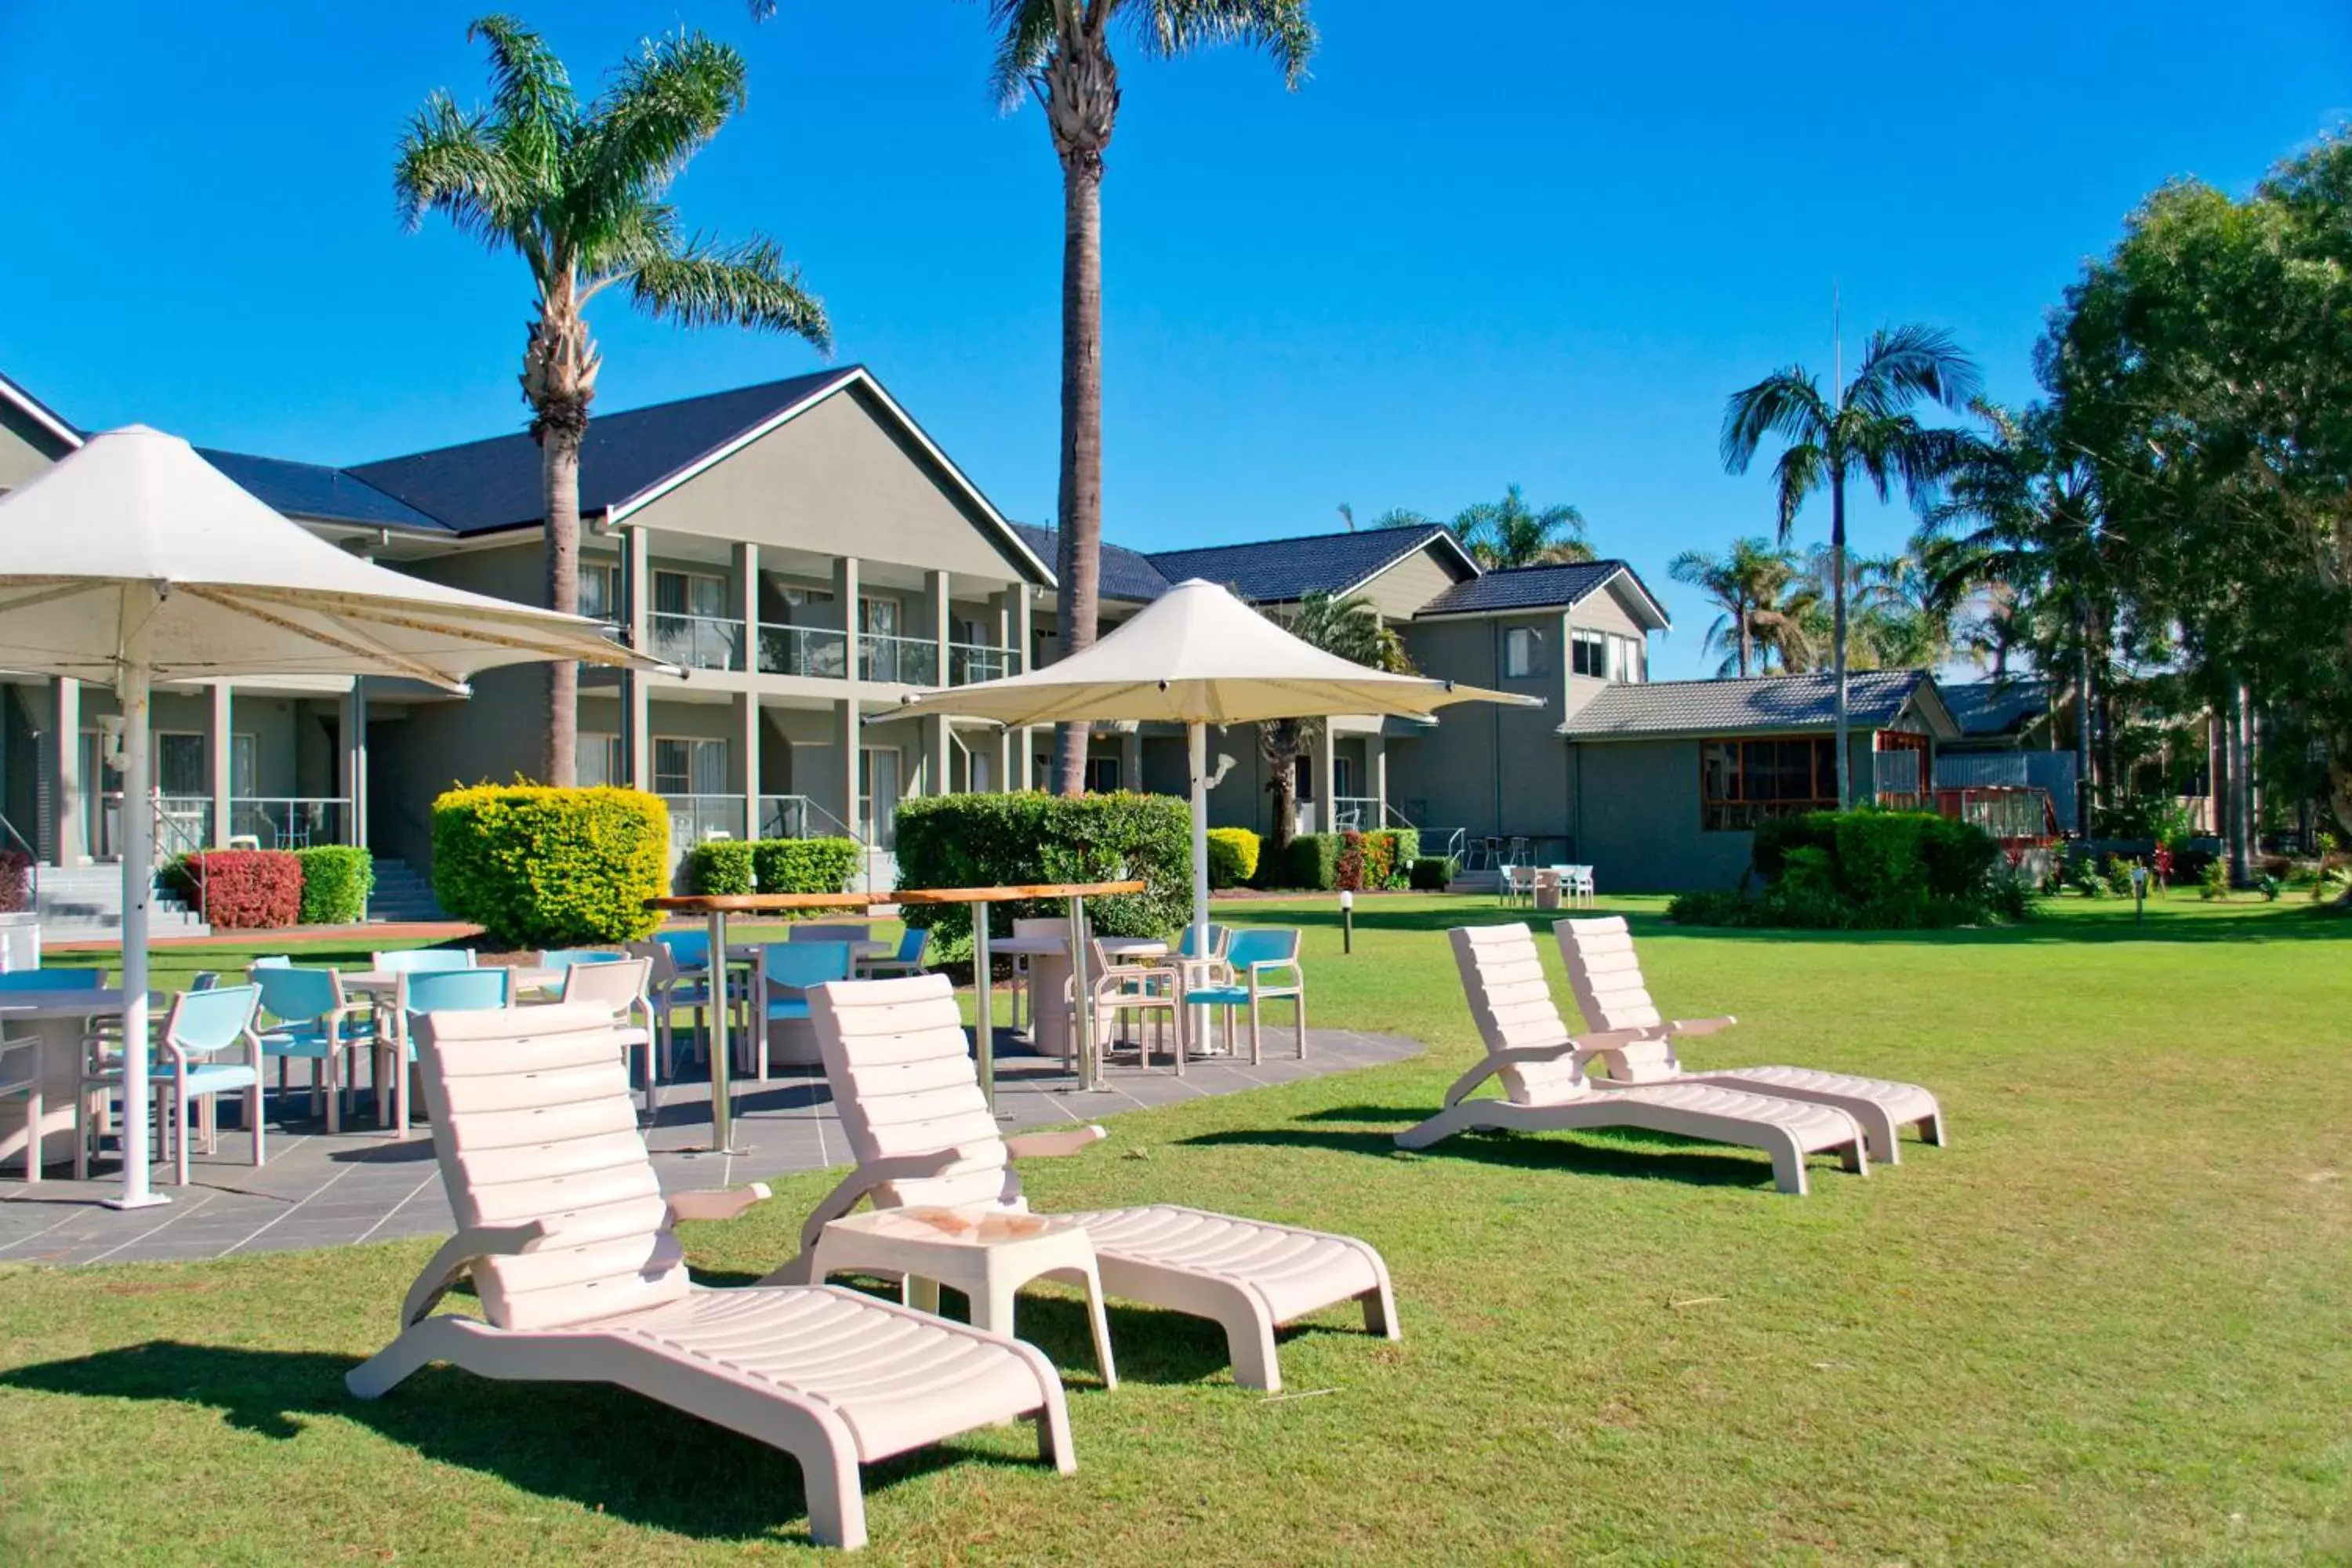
1870 432
1744 584
577 191
1059 52
1352 627
1509 532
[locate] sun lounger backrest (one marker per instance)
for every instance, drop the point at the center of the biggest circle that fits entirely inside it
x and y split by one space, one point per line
1605 973
532 1121
900 1067
1502 976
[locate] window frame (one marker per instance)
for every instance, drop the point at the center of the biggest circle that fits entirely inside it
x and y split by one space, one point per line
694 745
1588 653
690 578
607 572
1514 669
1740 811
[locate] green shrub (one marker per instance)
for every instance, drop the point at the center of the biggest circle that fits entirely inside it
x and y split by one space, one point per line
1232 856
336 882
1314 862
719 866
1872 870
2215 881
536 866
1432 873
1403 849
804 865
2117 872
999 840
1715 906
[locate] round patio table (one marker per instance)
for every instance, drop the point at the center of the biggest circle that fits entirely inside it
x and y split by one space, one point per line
716 907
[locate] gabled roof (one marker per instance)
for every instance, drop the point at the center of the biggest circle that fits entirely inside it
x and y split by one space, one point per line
1561 587
39 413
1984 709
481 487
315 491
1127 575
1772 703
1280 571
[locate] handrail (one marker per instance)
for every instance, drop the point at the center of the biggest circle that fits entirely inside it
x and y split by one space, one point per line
817 653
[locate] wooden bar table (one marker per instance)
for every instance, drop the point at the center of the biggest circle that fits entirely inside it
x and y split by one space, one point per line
716 907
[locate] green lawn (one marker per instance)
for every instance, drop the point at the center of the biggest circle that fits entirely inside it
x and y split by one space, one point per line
2107 1324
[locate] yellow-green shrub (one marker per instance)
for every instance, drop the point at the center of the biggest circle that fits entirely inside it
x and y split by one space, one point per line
1232 856
537 867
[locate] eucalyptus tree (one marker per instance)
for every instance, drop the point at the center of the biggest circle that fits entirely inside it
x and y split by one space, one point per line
1509 532
1059 52
577 191
1746 584
1863 430
1353 627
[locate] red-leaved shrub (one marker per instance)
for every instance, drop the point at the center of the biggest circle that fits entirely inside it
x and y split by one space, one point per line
16 881
246 890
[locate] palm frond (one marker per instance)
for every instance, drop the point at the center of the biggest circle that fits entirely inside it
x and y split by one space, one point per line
1803 469
1787 403
1027 32
449 163
744 285
664 105
1280 29
534 110
1901 364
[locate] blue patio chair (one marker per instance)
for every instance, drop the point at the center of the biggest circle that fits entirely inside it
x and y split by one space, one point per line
468 990
1220 938
53 980
423 960
206 1047
310 1018
908 960
787 969
1263 967
565 957
689 950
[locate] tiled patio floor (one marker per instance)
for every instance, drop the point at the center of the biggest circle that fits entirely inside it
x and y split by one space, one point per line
360 1185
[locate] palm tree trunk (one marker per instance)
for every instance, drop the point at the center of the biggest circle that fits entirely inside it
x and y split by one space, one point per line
558 462
1285 742
2085 786
1076 599
1746 633
1837 629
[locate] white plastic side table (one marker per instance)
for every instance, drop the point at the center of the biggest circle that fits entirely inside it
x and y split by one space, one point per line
987 1254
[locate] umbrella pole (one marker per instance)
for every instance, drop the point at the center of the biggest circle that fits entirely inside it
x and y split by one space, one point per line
138 606
1196 739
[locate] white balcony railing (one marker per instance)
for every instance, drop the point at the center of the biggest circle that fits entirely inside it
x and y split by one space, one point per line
814 651
289 822
697 642
969 662
903 661
696 818
798 817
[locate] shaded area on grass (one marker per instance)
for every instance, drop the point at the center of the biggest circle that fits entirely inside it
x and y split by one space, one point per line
1659 1156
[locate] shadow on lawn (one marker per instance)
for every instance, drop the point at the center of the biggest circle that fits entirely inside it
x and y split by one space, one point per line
672 1473
2285 924
1661 1156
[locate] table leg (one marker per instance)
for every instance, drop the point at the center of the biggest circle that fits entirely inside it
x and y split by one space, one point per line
1082 1002
983 1036
921 1294
722 1089
1100 1322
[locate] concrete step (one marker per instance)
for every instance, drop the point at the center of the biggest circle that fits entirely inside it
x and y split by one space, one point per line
1475 882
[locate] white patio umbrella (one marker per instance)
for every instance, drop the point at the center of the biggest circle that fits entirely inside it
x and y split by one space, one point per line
1196 656
134 561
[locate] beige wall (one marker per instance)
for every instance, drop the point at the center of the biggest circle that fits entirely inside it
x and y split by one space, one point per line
837 480
1414 581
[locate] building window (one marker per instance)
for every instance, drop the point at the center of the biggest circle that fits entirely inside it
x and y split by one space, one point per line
1589 654
180 764
1743 782
1626 661
600 590
690 766
1102 775
689 593
1522 652
597 761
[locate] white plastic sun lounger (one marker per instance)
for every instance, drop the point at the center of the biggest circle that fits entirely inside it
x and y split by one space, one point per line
1544 1089
903 1082
565 1230
1605 973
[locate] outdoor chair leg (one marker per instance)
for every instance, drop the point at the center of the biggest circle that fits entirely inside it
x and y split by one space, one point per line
1298 1021
1257 1033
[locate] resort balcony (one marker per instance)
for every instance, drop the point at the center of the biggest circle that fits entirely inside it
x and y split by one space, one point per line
698 818
697 642
798 817
969 662
817 652
903 661
183 824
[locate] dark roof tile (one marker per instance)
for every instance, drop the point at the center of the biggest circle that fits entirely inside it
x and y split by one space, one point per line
1667 707
315 491
1531 588
1278 571
1127 574
1987 708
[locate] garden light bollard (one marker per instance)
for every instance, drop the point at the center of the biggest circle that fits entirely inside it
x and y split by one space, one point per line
2139 894
1347 920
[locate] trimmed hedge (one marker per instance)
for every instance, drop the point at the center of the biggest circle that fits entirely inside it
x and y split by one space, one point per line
771 865
537 867
1314 862
1432 873
336 882
1001 841
1401 847
1232 856
246 890
1867 870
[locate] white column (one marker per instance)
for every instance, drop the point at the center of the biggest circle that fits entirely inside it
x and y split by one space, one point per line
747 601
66 794
942 626
747 750
1130 758
1022 772
1327 769
352 765
845 604
637 718
220 747
1376 761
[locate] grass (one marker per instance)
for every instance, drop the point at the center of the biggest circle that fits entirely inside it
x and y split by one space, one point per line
2107 1324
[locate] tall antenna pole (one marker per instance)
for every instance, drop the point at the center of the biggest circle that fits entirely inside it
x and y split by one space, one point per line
1837 340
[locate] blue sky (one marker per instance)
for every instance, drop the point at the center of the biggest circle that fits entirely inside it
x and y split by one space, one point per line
1542 248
